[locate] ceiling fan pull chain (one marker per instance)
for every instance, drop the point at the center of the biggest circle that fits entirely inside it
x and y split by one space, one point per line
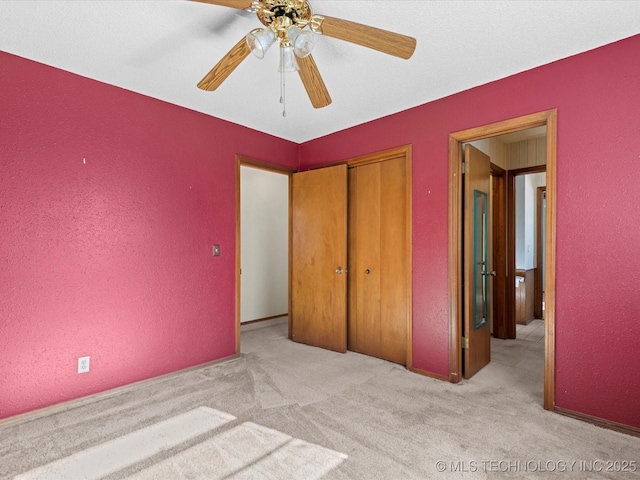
284 97
282 86
281 81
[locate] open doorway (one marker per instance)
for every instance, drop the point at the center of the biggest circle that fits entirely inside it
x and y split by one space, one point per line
515 230
527 250
505 242
262 245
456 258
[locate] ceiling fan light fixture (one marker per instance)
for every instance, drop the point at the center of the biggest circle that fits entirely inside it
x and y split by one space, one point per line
286 22
288 61
259 41
302 41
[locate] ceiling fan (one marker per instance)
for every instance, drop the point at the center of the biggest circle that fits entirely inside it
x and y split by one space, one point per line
285 21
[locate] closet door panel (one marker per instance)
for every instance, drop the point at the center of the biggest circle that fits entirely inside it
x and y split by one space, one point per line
366 254
352 286
319 258
393 248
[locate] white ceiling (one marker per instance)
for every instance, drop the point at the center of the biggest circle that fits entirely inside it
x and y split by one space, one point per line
162 49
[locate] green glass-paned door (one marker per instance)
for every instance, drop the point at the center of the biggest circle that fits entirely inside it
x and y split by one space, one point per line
479 258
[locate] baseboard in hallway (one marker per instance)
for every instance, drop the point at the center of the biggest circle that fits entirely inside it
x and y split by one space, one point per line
246 327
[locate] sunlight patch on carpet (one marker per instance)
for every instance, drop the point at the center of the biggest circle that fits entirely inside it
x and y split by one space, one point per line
114 455
247 451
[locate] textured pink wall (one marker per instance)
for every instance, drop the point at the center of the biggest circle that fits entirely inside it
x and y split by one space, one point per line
597 95
111 258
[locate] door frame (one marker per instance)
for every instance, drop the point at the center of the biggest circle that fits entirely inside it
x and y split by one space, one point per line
537 297
546 118
499 250
259 164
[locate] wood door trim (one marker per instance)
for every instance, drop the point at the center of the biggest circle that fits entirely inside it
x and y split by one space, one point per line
526 170
262 165
538 313
548 118
381 156
496 170
455 259
499 247
405 152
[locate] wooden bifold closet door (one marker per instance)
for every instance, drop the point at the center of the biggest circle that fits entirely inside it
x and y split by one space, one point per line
377 276
318 258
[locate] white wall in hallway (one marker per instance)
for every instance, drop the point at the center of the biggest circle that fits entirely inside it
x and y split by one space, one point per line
526 186
264 232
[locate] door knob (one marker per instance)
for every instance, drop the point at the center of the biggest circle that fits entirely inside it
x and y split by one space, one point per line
339 271
489 274
367 271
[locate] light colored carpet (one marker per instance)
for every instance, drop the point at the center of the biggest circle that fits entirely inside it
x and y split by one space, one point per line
284 410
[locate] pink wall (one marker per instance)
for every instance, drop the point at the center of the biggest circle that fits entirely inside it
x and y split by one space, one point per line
597 95
111 258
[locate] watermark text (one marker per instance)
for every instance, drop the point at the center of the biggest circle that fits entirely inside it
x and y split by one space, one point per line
540 466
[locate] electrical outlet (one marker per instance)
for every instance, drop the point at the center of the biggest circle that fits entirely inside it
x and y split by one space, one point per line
83 364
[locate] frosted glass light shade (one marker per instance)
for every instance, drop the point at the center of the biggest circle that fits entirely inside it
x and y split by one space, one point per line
302 41
287 60
259 41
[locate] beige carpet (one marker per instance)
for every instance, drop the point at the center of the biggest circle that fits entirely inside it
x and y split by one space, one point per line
285 410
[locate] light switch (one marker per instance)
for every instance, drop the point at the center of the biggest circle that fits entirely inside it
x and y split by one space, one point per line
216 250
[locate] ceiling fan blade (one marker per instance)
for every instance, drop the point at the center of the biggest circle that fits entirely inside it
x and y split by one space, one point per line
371 37
225 66
313 83
239 4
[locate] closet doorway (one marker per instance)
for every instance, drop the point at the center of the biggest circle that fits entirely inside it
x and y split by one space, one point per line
262 244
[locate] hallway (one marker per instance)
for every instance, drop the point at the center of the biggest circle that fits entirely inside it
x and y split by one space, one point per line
533 332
